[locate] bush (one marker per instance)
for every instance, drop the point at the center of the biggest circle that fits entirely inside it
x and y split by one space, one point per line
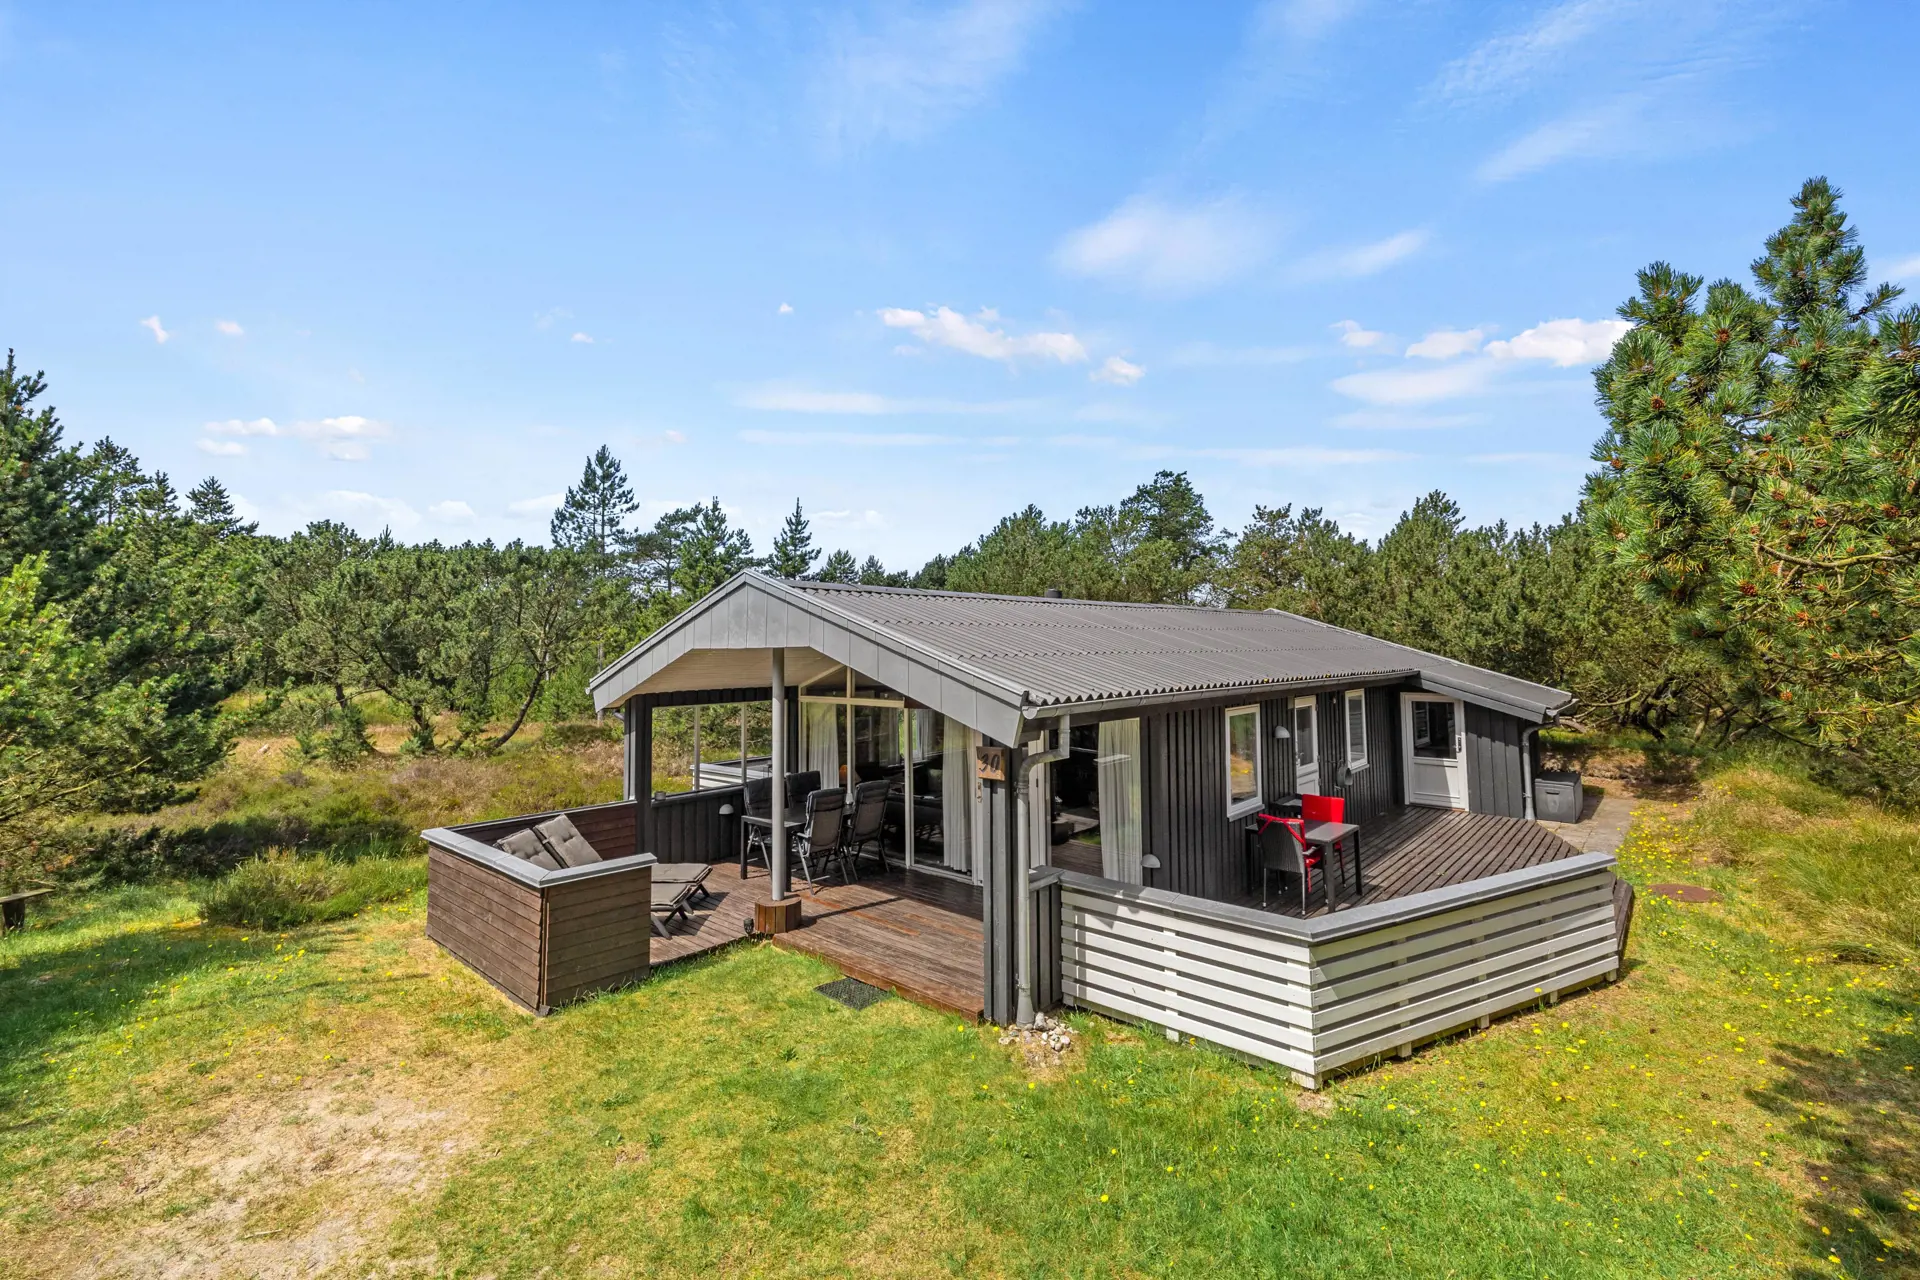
281 890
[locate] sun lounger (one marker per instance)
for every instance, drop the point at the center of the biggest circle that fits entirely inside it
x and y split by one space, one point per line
690 873
670 900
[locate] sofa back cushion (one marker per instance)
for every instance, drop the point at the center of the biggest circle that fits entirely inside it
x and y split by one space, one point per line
527 846
567 843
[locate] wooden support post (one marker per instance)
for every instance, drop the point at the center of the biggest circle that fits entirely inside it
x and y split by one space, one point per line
776 917
1553 997
1406 1050
777 807
1486 1020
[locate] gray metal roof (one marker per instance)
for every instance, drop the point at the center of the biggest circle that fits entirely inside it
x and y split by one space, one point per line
1017 655
1062 652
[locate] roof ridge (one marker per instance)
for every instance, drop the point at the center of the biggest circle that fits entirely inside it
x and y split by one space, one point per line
808 584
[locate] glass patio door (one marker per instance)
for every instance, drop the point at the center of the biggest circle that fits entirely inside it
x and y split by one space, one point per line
1434 730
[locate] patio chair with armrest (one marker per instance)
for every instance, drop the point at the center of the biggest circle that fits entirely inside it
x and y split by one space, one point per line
1284 848
757 801
868 822
820 840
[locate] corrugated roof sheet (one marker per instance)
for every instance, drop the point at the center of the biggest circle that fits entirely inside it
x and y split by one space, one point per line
1075 651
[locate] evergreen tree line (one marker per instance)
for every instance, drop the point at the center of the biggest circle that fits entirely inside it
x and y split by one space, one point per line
1745 559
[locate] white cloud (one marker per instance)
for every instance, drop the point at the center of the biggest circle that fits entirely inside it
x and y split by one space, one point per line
1505 64
1363 260
540 506
1121 373
351 505
948 328
1416 386
857 439
1168 249
343 439
452 511
918 70
1354 334
153 323
223 448
231 328
779 399
581 337
1610 129
868 519
545 319
1905 268
674 437
1565 342
1303 455
1445 344
786 309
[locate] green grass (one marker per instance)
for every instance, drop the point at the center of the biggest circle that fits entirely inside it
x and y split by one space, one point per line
281 890
1742 1103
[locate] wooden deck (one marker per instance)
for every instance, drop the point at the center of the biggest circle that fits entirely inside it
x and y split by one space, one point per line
912 933
1412 850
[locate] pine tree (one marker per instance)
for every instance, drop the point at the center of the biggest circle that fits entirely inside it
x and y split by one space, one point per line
210 505
793 550
840 567
593 516
1760 470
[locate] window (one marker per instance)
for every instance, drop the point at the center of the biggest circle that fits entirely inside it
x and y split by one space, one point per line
1356 703
1304 737
1243 760
1433 730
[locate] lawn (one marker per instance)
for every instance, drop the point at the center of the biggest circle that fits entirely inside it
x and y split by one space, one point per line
181 1098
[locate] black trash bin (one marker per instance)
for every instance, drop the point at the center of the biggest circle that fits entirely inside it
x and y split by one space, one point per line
1556 797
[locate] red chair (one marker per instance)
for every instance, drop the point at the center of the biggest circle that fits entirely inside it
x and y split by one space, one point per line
1284 848
1323 808
1334 809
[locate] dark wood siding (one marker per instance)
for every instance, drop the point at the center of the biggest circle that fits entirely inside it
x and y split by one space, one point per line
689 827
597 934
1183 786
1495 783
1375 789
492 923
1046 938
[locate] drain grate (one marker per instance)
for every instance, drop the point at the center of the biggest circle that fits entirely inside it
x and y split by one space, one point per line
853 993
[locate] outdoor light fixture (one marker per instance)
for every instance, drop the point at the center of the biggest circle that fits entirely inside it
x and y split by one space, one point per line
1281 732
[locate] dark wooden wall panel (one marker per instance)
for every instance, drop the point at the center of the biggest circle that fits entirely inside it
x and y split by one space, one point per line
490 922
1046 967
607 827
1495 781
689 827
597 934
1184 803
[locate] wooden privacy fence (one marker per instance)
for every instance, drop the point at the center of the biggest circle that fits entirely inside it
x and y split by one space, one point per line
1316 995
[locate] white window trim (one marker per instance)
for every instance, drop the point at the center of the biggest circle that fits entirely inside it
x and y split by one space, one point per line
1241 808
1346 715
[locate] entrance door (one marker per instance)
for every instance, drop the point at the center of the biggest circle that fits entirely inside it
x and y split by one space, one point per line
1435 734
1306 746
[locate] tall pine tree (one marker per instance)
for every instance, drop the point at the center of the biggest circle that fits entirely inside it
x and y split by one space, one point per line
593 516
793 550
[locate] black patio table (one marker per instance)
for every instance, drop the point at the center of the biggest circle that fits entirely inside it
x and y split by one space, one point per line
796 820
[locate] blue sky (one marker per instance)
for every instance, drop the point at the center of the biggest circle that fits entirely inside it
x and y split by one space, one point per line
916 265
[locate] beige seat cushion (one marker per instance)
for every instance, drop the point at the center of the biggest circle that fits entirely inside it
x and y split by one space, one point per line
567 843
527 846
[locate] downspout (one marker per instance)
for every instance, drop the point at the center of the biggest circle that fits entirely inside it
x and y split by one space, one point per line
1526 761
1023 878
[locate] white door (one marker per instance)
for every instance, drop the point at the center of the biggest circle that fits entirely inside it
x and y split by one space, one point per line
1306 746
1435 733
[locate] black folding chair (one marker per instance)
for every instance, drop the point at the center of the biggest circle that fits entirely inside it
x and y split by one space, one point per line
820 840
867 825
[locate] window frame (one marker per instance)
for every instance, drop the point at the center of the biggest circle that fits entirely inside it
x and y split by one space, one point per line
1347 701
1253 803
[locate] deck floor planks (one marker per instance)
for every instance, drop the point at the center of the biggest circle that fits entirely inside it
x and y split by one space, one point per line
1414 850
913 933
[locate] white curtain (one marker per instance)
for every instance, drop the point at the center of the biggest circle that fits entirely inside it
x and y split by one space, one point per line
956 799
1119 772
923 733
820 741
